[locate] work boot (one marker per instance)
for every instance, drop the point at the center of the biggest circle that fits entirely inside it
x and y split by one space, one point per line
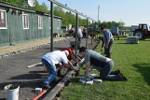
46 86
116 72
122 77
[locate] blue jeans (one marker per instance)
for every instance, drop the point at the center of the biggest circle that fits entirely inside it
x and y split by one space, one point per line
108 50
105 69
107 74
51 70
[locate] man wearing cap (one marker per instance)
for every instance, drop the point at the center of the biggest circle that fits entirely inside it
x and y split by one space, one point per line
50 60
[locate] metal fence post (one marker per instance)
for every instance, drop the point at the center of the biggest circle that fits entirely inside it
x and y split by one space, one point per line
87 33
77 23
10 38
76 33
51 12
92 34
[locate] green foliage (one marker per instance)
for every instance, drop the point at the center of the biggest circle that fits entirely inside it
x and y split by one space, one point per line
112 24
68 17
23 3
41 8
83 22
15 2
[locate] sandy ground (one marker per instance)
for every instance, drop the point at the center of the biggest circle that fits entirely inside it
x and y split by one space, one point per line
25 46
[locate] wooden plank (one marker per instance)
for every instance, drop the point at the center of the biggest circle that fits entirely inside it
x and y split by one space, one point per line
54 91
52 94
34 65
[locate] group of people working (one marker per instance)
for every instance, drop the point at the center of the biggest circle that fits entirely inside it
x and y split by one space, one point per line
90 59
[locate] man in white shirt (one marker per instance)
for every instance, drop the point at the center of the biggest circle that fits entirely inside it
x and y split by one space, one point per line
79 36
50 60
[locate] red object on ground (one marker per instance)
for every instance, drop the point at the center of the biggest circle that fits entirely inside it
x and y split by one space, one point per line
40 95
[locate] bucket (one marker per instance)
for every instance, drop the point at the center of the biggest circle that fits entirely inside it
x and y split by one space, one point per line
12 92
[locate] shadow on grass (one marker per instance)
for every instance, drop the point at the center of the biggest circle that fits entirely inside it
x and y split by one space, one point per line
75 80
120 43
126 43
146 40
144 69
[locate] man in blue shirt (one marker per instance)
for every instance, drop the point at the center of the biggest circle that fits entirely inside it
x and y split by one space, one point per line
107 41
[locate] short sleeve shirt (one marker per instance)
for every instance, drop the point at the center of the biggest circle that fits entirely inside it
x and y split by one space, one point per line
56 57
91 54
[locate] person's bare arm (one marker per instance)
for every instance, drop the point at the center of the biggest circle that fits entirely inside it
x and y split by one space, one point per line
70 65
88 69
77 58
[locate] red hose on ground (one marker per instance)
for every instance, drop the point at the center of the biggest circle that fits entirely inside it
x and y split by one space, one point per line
39 95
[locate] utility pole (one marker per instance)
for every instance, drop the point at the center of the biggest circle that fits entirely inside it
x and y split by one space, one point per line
52 13
98 12
76 32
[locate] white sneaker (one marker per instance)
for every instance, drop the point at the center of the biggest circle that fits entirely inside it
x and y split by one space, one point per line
86 80
93 75
97 80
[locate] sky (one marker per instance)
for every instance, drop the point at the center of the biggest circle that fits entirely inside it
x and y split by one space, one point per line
131 12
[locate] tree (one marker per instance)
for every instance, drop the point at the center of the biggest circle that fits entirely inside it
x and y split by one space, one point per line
121 24
67 16
111 24
15 2
41 8
83 22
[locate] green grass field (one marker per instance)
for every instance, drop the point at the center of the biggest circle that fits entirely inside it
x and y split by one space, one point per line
134 62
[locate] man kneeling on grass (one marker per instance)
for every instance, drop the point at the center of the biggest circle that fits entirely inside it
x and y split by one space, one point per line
50 60
101 63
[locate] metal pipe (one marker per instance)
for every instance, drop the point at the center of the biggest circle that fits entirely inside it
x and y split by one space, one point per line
51 12
87 33
98 12
10 38
76 33
92 34
65 7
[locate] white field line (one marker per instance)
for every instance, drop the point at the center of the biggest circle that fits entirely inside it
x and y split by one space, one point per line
34 65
